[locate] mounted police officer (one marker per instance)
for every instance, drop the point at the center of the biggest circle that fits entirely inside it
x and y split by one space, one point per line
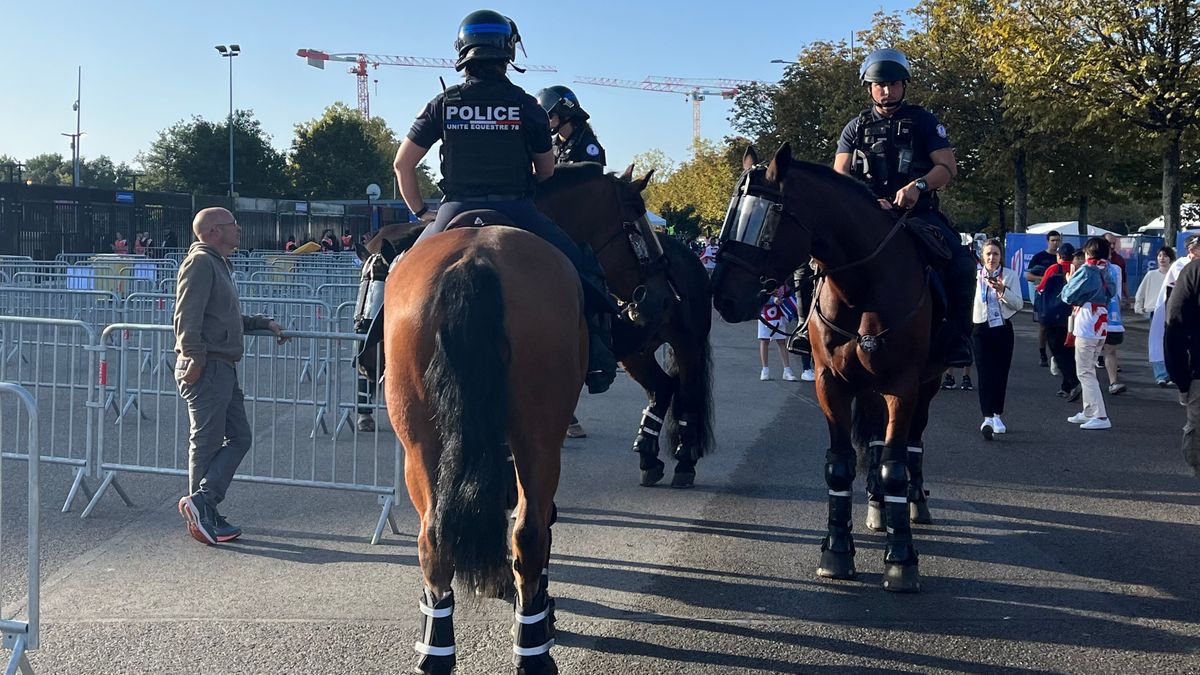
495 148
574 140
902 152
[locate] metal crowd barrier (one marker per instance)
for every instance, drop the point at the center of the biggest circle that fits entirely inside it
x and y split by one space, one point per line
95 308
84 278
312 279
336 294
21 635
291 313
56 360
290 404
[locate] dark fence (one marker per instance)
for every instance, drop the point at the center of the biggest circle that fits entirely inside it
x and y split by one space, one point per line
42 221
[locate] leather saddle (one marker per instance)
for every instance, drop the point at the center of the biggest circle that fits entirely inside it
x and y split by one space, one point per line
930 240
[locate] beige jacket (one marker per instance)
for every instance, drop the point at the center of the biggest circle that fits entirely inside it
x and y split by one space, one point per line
1010 303
208 317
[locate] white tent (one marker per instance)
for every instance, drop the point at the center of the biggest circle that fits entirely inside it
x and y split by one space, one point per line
1065 227
655 219
1189 219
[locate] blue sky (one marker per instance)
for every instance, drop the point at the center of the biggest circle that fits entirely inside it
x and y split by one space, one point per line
147 64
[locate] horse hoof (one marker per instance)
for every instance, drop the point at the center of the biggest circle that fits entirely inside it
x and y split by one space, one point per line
918 512
650 477
434 665
899 578
836 565
542 664
875 517
683 479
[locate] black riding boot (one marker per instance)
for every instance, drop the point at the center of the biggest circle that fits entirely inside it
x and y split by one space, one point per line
806 282
598 311
959 273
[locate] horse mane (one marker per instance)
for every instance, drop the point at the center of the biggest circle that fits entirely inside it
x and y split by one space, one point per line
828 175
567 176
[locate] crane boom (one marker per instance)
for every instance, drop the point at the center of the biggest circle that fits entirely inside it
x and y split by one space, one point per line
694 89
317 58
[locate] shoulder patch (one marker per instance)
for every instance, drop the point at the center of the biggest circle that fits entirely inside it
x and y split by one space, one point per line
941 130
593 150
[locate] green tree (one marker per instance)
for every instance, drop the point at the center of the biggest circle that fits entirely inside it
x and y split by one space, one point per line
338 154
1103 59
48 169
704 182
682 222
193 156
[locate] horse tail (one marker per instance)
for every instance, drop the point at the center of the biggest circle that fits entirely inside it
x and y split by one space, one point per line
467 384
703 377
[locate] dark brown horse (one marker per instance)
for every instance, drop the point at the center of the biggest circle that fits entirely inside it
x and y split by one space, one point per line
476 371
665 300
871 325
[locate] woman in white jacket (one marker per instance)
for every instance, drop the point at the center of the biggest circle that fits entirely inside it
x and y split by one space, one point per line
1147 296
997 299
1191 252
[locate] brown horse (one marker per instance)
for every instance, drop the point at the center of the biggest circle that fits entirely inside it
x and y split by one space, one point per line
664 296
472 367
871 326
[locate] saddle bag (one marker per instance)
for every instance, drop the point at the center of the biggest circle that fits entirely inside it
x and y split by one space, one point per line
930 240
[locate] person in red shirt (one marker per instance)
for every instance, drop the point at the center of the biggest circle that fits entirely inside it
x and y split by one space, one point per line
120 244
347 241
1118 260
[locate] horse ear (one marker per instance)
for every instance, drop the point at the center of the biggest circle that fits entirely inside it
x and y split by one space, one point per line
361 251
750 158
645 180
628 173
387 250
780 163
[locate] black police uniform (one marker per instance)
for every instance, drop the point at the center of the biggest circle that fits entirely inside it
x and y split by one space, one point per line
889 153
581 146
490 130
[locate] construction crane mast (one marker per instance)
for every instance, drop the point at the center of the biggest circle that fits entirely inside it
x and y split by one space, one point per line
693 89
317 58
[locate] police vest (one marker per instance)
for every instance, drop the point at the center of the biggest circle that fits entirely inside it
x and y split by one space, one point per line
582 146
886 156
484 149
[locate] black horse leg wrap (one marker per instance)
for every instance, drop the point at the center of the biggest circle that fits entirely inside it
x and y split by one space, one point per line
649 428
689 439
437 635
894 478
916 475
874 488
534 631
839 477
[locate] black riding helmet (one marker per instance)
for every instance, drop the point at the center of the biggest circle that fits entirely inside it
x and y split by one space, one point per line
486 35
561 101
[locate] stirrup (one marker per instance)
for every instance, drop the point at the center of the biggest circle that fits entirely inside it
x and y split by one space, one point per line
798 343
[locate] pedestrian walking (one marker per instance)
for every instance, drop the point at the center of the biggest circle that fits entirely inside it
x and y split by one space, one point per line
1191 251
1054 316
1034 273
776 313
1090 290
1182 352
1116 333
997 299
209 326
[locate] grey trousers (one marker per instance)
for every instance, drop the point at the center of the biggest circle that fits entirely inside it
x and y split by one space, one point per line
220 433
1191 429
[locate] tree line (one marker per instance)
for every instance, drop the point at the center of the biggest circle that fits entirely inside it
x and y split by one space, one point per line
332 157
1083 110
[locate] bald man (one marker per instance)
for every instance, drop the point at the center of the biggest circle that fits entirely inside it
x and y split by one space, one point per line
209 326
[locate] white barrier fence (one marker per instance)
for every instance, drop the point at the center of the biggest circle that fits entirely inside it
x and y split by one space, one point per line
20 619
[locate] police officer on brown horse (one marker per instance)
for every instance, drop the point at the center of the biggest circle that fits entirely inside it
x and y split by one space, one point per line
495 148
574 140
902 152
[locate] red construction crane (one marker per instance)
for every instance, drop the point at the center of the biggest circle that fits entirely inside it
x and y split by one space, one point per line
693 89
317 58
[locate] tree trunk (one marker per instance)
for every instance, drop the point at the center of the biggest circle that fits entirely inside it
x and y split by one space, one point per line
1020 192
1172 189
1083 215
1003 217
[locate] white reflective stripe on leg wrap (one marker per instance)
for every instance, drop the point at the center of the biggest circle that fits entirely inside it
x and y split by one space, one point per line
422 648
839 493
914 448
683 423
895 500
533 651
436 613
532 618
649 432
875 443
647 413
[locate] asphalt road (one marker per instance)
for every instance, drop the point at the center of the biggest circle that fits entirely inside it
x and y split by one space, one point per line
1053 550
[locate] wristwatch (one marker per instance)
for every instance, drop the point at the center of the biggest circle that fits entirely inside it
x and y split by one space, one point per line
922 185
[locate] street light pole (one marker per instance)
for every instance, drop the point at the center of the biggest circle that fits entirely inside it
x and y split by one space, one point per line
228 53
76 141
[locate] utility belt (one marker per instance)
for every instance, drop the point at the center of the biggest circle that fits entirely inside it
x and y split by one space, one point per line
500 197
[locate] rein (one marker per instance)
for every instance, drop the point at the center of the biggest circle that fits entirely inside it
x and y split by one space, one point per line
878 249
